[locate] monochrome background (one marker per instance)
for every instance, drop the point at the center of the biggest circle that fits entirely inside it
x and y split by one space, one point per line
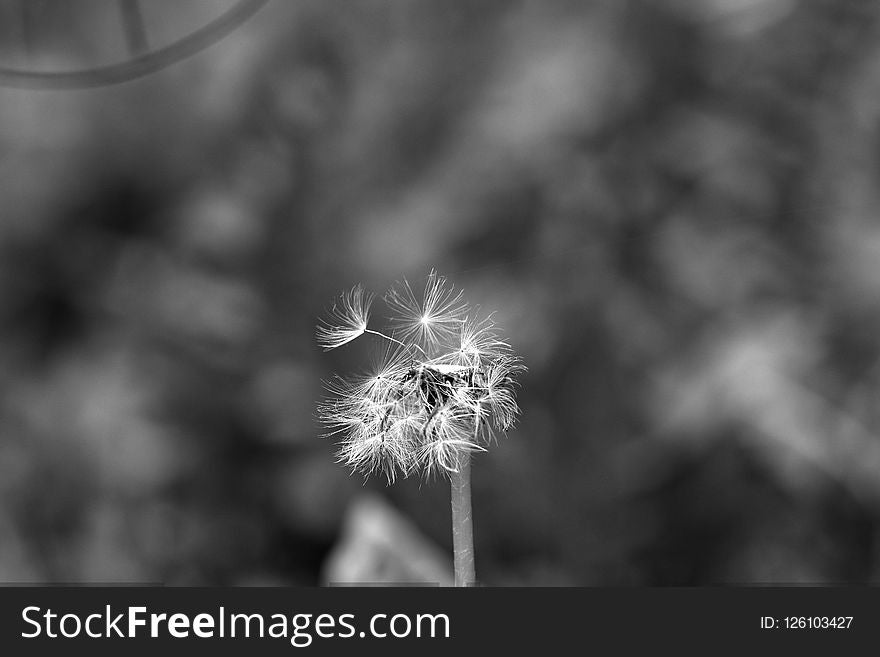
670 206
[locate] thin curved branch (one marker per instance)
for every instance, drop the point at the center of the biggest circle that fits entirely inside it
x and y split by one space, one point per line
137 67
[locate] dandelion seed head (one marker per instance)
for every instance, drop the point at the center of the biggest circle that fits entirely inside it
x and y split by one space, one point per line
443 387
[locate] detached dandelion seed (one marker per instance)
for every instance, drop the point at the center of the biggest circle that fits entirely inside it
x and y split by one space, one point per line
442 389
348 319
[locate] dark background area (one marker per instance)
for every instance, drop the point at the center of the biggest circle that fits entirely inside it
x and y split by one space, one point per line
671 207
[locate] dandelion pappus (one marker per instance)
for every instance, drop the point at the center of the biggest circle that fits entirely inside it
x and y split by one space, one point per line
439 385
443 388
438 382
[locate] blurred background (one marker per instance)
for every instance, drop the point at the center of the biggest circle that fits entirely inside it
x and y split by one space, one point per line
670 206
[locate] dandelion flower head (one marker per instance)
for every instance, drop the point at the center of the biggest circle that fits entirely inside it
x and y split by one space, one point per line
443 386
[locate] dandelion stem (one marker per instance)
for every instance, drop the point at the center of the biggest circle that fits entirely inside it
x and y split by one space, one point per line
462 522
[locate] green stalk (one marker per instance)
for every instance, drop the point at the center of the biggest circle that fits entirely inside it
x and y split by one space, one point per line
462 523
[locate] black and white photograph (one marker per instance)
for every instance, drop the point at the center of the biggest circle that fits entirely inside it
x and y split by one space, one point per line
428 293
